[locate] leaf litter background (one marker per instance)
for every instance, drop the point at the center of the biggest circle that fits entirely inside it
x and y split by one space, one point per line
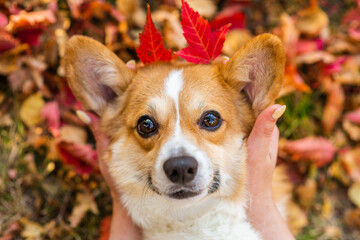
50 186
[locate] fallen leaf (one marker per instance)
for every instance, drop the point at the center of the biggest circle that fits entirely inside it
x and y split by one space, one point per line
30 110
334 105
127 7
289 35
105 227
312 20
7 41
74 6
350 159
172 28
51 113
354 194
100 10
306 193
352 217
29 25
327 208
32 230
333 232
293 81
204 45
317 149
10 232
73 134
205 8
352 130
350 71
151 48
306 46
3 21
82 156
236 19
353 116
235 39
337 171
84 202
314 57
296 218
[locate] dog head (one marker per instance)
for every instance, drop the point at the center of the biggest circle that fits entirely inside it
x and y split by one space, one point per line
177 131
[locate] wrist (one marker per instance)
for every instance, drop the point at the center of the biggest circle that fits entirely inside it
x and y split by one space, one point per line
261 201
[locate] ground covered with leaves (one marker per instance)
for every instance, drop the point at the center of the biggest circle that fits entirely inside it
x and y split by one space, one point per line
50 185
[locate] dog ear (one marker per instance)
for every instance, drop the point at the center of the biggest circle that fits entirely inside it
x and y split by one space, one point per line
95 74
257 69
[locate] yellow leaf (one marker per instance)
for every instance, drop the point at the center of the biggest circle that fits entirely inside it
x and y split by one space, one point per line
354 194
32 230
84 202
30 110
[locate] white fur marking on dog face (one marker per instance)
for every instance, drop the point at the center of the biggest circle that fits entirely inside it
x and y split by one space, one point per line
173 86
178 144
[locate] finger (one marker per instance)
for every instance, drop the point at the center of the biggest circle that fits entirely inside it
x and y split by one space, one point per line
93 122
273 151
261 135
131 64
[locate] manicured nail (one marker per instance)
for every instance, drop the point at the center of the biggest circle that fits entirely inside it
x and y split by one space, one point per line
83 116
131 64
279 112
224 59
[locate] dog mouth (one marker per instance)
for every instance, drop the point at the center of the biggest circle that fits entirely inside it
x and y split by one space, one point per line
184 193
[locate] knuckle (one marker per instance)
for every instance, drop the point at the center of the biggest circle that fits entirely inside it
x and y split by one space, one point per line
268 131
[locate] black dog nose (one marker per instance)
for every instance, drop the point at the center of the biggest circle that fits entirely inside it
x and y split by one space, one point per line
181 170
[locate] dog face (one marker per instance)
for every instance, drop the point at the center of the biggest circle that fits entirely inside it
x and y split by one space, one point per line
177 130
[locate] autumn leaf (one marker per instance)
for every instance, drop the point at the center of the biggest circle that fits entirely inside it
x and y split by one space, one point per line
84 202
7 41
354 193
237 20
317 149
105 226
204 45
30 110
32 230
51 113
350 160
353 116
28 26
312 20
334 105
82 156
151 48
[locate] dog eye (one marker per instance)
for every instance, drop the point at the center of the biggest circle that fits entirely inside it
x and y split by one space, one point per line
210 121
146 126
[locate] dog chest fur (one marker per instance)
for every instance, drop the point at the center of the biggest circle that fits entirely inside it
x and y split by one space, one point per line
212 219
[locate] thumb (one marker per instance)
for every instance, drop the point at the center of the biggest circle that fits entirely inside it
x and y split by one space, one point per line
262 132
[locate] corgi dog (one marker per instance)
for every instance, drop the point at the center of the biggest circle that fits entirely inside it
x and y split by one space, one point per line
178 133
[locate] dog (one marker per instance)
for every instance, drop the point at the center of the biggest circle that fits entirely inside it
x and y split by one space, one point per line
178 133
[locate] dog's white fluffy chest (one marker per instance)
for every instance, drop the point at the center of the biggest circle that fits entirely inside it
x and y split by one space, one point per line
212 219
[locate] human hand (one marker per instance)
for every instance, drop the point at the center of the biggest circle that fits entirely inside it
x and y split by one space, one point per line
262 155
122 227
262 151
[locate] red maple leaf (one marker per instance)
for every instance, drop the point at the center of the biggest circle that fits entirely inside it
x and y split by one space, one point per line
204 45
151 48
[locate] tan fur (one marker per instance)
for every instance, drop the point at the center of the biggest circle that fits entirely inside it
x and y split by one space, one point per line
262 58
93 71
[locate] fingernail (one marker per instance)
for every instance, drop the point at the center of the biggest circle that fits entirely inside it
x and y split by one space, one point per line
83 116
278 112
224 59
131 64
